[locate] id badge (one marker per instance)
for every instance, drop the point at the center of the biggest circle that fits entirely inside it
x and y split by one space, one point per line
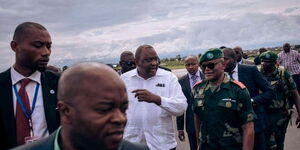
31 139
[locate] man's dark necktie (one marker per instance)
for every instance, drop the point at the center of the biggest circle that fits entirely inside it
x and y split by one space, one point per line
22 123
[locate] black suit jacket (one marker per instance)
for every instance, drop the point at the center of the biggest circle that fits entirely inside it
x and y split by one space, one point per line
187 91
255 82
49 81
48 144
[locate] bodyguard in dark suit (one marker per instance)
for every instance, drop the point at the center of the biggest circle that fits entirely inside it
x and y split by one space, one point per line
28 92
92 111
187 82
259 88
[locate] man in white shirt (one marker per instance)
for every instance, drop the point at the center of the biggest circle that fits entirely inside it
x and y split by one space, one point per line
154 97
28 91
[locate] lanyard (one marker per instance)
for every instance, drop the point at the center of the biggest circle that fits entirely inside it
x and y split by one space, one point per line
28 116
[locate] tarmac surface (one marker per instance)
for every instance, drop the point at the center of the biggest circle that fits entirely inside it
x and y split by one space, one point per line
292 138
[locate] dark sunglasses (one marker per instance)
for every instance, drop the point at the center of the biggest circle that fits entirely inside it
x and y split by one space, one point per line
129 63
209 65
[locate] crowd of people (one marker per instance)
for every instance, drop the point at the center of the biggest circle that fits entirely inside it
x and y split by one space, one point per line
224 102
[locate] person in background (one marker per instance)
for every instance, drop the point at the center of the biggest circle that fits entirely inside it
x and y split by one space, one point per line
278 113
239 54
260 90
126 62
154 97
28 90
187 82
290 60
257 60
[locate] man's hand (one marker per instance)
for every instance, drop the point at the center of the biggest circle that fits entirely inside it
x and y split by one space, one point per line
144 95
298 121
181 135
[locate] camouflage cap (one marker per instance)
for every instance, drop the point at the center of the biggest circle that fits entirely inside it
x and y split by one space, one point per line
211 54
268 55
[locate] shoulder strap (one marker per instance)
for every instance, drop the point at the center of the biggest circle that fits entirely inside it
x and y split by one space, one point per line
197 83
238 83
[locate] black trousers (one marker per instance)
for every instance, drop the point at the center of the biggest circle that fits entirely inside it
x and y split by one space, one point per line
259 141
192 140
296 78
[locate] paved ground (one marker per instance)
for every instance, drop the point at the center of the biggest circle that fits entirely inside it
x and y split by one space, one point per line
292 141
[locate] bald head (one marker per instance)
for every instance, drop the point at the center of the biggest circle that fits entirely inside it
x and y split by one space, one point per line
239 53
286 47
78 79
191 58
92 105
24 29
230 57
191 64
124 55
127 61
140 49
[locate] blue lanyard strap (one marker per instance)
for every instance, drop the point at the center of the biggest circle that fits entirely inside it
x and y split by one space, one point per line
19 100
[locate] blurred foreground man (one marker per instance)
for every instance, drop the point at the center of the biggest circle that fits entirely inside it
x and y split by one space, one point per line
154 97
27 90
126 61
93 111
223 110
187 82
278 114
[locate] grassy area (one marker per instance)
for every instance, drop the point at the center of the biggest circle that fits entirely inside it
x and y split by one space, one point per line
173 64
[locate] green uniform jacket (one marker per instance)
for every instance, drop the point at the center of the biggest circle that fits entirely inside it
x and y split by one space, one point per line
222 112
282 83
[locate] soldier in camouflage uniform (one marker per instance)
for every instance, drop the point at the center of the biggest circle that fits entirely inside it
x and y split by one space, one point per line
278 114
223 110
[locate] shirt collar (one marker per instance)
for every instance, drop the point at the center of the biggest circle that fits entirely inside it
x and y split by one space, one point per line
235 68
56 145
134 73
16 76
197 74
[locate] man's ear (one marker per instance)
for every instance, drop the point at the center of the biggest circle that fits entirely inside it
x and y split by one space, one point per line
136 61
14 45
65 112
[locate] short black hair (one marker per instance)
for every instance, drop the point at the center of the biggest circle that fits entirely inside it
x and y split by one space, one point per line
140 49
22 28
231 53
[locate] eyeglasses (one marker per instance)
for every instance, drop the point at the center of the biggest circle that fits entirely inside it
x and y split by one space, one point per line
209 65
128 63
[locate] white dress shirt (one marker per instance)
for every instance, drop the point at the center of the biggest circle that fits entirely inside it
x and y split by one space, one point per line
235 74
38 116
148 122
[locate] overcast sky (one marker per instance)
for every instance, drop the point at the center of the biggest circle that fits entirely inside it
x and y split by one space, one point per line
104 28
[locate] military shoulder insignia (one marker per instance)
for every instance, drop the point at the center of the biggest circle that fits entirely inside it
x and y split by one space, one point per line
240 84
197 83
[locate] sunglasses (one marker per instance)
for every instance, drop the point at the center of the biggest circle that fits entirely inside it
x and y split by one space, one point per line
209 65
129 63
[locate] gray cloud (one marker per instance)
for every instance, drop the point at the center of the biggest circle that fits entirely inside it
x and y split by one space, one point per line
103 29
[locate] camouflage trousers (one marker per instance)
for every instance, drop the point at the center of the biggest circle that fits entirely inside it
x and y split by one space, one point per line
276 125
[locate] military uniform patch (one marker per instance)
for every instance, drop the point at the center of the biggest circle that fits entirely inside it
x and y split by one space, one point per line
250 117
210 55
228 104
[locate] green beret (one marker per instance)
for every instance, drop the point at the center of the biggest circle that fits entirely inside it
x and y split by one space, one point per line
268 55
211 54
